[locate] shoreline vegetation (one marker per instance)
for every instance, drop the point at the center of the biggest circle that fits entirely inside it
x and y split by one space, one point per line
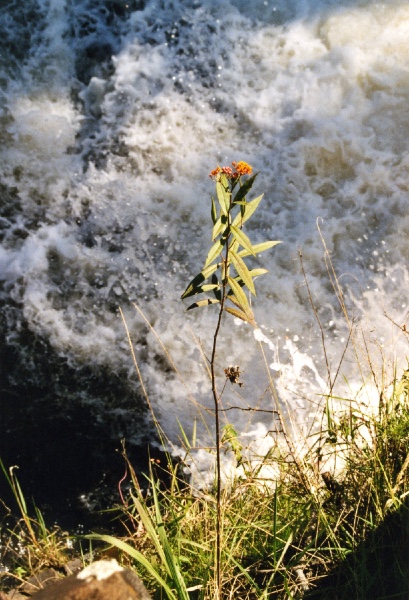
326 517
307 534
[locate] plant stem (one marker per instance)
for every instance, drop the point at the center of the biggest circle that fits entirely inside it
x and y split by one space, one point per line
216 399
218 470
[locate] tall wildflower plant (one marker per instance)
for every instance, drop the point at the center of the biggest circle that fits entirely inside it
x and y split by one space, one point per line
226 280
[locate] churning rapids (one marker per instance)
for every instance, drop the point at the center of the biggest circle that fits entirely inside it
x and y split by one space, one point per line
112 114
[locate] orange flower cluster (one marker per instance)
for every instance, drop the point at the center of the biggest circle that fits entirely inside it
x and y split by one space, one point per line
241 168
215 172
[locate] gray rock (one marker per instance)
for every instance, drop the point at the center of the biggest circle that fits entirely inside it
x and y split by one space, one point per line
102 580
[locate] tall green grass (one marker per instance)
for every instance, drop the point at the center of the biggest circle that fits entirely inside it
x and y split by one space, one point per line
307 533
26 542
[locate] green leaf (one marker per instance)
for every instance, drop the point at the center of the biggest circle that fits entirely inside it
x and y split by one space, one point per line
257 272
136 555
257 248
231 439
243 271
248 312
204 288
247 211
205 302
209 287
240 315
219 226
214 251
245 188
234 183
230 296
223 193
171 562
194 286
240 296
213 211
254 273
242 238
234 246
217 288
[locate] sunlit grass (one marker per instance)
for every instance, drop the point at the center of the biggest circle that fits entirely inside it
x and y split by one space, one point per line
281 538
306 533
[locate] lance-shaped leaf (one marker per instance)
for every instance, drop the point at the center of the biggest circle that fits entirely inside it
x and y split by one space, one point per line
253 272
240 296
209 286
233 183
217 289
129 550
245 188
205 302
223 193
215 251
257 248
243 240
219 226
243 271
230 296
234 246
195 285
247 210
257 272
240 315
201 289
248 312
213 211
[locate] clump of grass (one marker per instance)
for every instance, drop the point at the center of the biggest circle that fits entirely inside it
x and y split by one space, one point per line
314 535
306 533
27 544
370 497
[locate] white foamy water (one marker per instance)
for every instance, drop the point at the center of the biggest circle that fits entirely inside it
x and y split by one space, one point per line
113 114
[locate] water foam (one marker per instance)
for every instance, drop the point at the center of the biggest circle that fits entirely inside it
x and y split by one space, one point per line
110 125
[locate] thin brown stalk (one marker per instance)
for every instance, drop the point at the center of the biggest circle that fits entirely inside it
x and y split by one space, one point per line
217 433
135 362
216 399
314 310
168 356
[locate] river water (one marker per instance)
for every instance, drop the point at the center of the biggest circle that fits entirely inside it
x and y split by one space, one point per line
112 114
